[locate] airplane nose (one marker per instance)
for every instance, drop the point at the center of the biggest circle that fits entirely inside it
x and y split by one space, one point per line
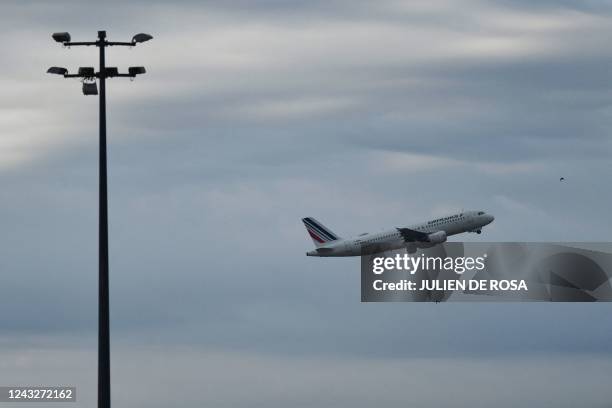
489 218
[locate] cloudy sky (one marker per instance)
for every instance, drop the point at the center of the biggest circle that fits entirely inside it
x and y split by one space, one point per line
256 113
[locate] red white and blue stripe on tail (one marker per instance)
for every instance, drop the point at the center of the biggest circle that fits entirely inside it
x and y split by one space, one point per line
319 234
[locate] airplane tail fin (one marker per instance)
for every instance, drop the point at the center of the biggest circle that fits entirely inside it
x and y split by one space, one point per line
319 234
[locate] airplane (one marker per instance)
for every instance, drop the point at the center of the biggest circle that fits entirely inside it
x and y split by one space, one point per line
424 235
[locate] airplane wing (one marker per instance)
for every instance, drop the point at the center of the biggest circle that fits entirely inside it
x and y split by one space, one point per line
411 235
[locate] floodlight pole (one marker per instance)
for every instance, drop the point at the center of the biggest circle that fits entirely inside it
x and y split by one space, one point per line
88 74
103 296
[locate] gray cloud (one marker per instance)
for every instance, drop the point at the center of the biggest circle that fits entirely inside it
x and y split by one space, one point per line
182 376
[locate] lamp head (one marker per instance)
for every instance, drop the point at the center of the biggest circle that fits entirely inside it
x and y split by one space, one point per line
87 72
133 71
90 88
61 37
111 72
57 71
141 37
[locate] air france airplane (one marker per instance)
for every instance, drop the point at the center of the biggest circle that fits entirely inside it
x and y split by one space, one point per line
423 235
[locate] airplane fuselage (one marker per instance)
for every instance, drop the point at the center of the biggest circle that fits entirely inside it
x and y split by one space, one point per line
434 232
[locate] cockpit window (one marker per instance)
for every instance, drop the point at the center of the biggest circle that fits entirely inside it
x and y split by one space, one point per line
480 212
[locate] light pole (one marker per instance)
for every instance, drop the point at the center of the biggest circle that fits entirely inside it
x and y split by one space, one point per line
89 88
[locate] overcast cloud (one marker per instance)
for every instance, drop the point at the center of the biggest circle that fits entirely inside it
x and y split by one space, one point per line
254 114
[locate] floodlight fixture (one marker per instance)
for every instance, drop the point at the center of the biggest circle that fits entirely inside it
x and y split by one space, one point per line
111 72
133 71
61 37
90 88
57 70
87 72
141 37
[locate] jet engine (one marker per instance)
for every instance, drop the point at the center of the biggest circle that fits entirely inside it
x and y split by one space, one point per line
437 237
